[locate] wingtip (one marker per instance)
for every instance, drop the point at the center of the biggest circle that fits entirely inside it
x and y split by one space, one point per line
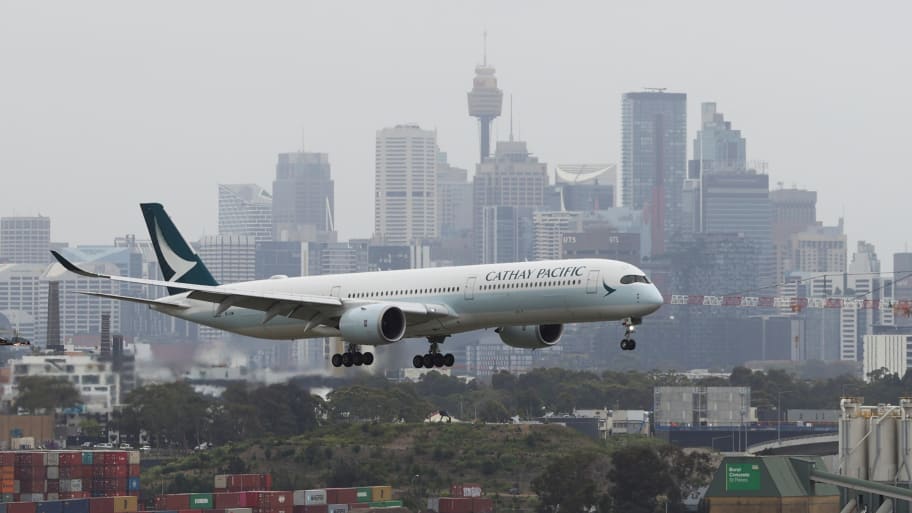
70 266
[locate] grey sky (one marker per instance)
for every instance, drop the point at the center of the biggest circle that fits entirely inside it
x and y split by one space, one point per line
106 104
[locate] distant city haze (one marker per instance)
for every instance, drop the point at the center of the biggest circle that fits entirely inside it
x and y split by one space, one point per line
106 104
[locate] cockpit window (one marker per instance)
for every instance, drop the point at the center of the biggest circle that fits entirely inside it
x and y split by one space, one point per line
633 278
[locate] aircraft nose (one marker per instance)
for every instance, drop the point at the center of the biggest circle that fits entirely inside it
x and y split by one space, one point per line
653 298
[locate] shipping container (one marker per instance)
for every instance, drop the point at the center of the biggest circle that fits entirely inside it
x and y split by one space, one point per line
364 494
76 506
20 507
314 508
87 458
433 504
226 500
309 497
7 459
381 493
52 486
175 501
465 490
101 505
2 507
221 482
482 505
52 458
132 484
455 505
341 495
238 510
126 504
201 501
337 508
49 507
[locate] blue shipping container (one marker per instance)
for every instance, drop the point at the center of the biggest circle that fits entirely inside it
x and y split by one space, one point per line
133 484
76 506
49 507
2 507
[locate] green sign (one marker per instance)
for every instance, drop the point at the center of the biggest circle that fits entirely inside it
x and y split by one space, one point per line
742 476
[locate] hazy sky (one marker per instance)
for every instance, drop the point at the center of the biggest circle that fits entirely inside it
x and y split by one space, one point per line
107 104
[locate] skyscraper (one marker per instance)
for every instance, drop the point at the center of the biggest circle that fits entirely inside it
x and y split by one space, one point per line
485 101
511 178
454 198
25 240
717 147
794 210
902 269
405 208
303 197
245 209
654 159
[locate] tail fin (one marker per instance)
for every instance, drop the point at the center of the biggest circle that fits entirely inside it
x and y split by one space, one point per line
178 262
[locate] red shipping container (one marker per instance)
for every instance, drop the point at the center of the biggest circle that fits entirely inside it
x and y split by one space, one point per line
53 486
7 459
321 508
176 501
482 505
341 495
230 500
88 472
70 459
275 502
134 470
452 505
465 490
20 507
101 505
115 471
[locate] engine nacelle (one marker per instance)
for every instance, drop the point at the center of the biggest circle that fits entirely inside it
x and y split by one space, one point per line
531 337
372 325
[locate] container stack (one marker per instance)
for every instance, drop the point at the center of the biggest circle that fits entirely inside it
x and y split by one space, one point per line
464 498
126 504
30 476
242 482
344 500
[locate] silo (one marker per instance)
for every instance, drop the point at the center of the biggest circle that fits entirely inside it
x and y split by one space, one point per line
882 451
852 449
904 441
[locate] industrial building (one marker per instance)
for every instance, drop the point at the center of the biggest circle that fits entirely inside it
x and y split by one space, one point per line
773 484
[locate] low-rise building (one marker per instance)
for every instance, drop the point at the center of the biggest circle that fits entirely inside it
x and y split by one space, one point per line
95 380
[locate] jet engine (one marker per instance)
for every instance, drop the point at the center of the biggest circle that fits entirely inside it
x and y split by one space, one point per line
372 325
531 337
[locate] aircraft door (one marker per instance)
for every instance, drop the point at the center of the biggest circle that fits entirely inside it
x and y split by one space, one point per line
592 281
470 288
336 291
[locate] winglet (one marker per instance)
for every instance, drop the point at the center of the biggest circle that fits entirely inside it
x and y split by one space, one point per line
70 266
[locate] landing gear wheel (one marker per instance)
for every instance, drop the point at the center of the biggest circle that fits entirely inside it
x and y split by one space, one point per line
337 360
368 358
624 344
347 360
428 361
438 360
357 358
418 361
449 360
631 344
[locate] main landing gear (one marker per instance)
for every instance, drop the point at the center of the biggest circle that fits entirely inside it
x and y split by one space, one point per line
627 343
352 357
434 358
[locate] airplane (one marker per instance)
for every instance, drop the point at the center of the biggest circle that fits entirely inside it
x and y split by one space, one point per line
527 303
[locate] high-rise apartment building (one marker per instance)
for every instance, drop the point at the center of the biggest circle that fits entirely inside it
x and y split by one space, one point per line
25 240
511 178
245 209
717 147
454 198
405 208
738 203
818 249
902 274
654 159
230 258
863 282
794 210
303 197
550 228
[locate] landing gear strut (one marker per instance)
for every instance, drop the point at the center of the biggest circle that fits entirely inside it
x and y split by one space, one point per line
353 356
630 323
434 358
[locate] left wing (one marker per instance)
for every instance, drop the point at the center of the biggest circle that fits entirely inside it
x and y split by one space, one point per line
312 308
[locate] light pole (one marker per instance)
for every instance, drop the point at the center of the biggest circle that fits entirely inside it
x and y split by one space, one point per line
779 415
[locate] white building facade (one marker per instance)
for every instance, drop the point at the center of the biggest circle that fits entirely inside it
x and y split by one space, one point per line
405 185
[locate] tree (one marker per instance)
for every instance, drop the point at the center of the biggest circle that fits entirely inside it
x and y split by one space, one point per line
639 475
45 394
568 485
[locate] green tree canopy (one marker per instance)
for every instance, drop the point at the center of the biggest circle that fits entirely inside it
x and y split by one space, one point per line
43 394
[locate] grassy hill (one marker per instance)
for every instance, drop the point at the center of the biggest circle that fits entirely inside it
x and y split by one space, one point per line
497 456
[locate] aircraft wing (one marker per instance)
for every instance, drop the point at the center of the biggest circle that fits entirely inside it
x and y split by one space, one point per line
312 308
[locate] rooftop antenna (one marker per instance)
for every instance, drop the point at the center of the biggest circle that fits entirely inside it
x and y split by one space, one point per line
484 50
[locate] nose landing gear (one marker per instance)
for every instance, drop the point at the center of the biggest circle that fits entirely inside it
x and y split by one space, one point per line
628 343
434 358
353 356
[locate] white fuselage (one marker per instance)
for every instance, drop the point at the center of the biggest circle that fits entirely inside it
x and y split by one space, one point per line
475 297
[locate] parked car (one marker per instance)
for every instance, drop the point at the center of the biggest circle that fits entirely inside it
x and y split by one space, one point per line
125 446
104 445
145 448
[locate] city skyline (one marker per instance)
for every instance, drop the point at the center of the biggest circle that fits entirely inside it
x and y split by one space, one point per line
162 119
